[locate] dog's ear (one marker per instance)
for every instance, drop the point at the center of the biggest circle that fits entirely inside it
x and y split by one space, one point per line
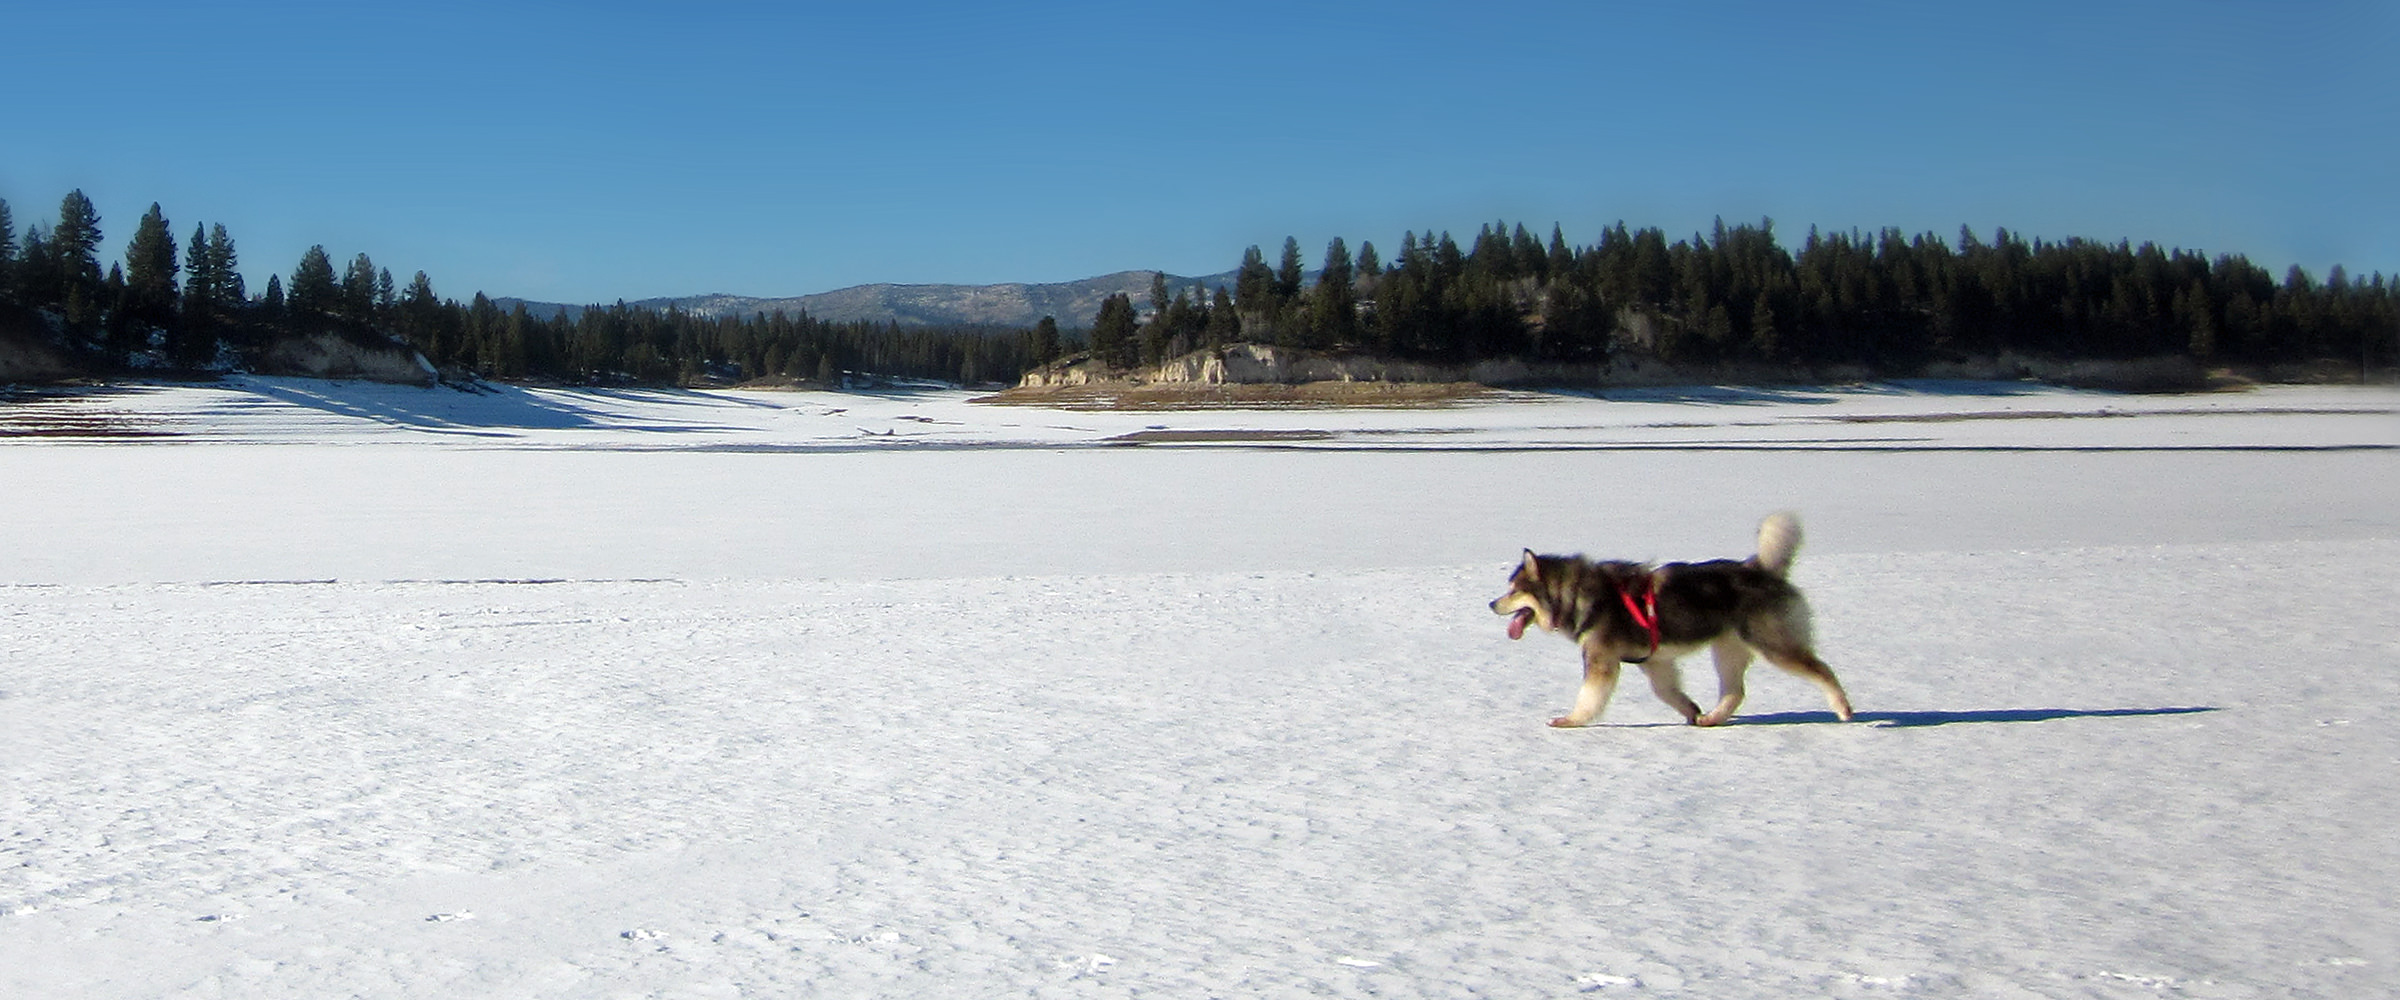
1531 568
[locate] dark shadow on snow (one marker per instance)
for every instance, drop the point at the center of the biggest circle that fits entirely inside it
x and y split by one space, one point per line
1898 720
484 409
1741 395
1729 395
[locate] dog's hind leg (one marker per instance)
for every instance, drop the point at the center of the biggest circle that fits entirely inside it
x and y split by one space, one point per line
1599 681
1782 637
1733 660
1804 662
1666 681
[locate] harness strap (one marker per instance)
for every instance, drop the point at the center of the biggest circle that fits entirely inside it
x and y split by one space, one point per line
1645 613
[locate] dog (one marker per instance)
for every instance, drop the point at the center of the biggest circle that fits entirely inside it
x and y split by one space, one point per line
1630 612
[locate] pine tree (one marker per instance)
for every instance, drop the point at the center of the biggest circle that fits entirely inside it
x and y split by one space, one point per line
1224 322
211 290
1531 260
1333 306
419 318
1158 335
74 259
124 335
150 272
359 288
1045 340
75 241
479 345
200 276
1113 332
36 269
8 254
515 347
229 292
1188 321
1253 284
1288 274
313 293
1448 261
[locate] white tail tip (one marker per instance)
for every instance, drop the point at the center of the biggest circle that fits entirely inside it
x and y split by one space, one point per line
1778 541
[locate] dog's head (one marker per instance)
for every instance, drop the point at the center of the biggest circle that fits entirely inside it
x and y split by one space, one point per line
1527 601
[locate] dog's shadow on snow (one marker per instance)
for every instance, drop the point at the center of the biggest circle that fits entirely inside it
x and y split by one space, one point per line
1903 720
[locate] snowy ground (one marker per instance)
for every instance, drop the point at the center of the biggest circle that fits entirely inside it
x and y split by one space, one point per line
321 689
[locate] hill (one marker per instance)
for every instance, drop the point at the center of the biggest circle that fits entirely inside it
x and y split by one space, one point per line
1072 303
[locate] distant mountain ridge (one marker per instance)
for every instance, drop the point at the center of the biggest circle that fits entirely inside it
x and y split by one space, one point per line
1015 304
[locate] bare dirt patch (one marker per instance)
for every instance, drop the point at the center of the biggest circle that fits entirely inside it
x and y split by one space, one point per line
1159 436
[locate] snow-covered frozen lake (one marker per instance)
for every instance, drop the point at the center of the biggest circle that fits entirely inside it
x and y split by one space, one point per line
325 689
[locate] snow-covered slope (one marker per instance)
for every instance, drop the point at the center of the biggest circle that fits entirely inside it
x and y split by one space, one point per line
306 702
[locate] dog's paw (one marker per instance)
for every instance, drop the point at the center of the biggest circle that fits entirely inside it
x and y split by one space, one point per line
1708 721
1562 722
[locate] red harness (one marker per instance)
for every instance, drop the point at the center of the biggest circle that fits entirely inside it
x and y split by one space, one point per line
1645 613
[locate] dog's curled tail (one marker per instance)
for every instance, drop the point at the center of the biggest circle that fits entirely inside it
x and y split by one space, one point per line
1778 541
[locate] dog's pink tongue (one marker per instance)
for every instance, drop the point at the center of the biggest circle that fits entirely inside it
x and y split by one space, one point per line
1517 622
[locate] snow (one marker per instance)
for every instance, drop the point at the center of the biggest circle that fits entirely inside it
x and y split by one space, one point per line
326 689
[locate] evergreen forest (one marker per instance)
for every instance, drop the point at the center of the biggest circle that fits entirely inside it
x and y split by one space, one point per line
1884 301
170 308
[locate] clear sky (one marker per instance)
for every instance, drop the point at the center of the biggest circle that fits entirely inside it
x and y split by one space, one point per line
589 152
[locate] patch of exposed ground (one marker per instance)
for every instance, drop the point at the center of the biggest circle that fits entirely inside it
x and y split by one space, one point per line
1304 396
1162 436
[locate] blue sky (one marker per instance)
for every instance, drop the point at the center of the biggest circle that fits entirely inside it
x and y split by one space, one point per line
589 152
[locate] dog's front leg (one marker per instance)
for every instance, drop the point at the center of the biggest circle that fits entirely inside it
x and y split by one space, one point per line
1599 681
1666 681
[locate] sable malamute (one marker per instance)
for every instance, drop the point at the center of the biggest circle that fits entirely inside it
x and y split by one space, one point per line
1629 612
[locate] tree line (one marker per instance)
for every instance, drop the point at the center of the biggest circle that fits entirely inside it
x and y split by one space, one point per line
622 344
1883 300
171 306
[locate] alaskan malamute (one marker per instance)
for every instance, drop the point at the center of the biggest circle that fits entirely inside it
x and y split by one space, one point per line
1629 612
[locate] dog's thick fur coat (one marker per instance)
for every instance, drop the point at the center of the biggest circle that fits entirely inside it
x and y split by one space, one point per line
1734 607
